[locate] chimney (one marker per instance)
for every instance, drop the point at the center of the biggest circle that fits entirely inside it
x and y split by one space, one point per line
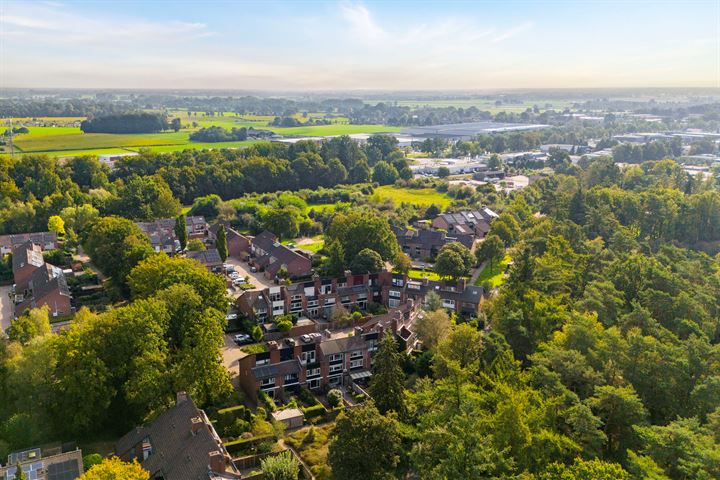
196 424
181 397
358 331
461 285
216 462
348 278
316 281
274 351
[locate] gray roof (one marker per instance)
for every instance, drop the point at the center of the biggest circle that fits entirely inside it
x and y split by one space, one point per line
266 240
47 279
277 369
27 253
177 453
341 345
206 257
40 238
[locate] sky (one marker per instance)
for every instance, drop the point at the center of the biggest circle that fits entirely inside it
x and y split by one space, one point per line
359 45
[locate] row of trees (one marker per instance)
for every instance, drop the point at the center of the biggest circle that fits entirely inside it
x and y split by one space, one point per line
219 134
126 123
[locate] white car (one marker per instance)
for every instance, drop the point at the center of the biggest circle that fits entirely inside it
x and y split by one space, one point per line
231 316
234 275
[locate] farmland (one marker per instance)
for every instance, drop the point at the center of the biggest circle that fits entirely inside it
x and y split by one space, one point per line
62 138
416 196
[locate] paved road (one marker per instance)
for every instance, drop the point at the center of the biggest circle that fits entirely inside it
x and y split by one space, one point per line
5 308
231 354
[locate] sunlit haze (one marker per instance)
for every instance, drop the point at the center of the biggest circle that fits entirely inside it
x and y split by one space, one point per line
313 45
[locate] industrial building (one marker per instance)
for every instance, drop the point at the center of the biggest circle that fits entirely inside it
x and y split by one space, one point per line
467 131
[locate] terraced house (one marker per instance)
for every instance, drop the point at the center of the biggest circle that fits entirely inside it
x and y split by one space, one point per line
321 360
317 298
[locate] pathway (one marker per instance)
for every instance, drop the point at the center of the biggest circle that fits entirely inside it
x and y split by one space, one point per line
476 273
6 308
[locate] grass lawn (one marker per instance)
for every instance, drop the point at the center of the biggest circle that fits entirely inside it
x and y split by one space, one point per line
414 273
417 196
73 141
324 207
494 275
313 448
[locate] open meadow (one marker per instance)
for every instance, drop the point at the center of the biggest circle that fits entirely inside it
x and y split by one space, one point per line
65 139
416 196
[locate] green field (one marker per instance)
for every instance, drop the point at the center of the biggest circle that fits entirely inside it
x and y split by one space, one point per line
417 196
494 275
70 140
414 273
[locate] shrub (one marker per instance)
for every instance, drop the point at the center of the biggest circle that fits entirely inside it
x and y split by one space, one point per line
281 467
314 411
334 397
90 460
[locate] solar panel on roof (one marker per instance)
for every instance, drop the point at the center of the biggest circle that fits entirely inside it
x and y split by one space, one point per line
67 470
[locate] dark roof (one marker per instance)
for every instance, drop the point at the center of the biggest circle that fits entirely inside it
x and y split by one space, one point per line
195 220
47 279
177 453
282 255
40 238
253 299
428 239
265 240
27 253
341 345
277 369
206 257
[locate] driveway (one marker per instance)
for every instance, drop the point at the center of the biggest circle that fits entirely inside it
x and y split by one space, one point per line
231 354
258 279
6 308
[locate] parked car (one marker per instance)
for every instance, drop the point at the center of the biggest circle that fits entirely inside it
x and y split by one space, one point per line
242 338
231 316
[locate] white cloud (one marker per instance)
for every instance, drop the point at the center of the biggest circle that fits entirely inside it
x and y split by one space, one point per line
361 21
512 32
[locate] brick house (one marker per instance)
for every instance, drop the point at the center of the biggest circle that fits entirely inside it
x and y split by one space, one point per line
38 283
317 297
179 444
161 232
45 240
471 221
319 361
424 243
61 462
238 245
271 256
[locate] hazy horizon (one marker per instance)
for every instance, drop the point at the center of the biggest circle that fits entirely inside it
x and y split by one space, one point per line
359 46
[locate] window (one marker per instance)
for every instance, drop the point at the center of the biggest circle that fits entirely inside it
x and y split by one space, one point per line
274 297
448 303
267 382
397 282
356 354
330 301
313 372
291 378
337 357
264 361
356 364
342 284
394 293
345 299
393 303
309 357
325 289
296 298
336 368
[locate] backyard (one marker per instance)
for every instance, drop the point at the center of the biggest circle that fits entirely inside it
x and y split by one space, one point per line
493 275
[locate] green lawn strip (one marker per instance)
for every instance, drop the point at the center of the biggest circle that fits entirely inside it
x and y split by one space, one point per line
493 275
416 196
416 273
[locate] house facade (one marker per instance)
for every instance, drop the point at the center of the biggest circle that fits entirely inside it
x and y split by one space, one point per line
161 232
424 243
319 361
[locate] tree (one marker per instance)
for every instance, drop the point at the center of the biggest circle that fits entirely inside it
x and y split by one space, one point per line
432 327
380 440
181 230
78 219
196 245
175 124
384 173
491 249
443 172
619 408
283 466
494 162
367 261
585 470
20 473
454 260
433 301
115 469
207 206
402 263
335 264
283 324
56 224
360 229
386 386
145 198
283 222
221 242
33 323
